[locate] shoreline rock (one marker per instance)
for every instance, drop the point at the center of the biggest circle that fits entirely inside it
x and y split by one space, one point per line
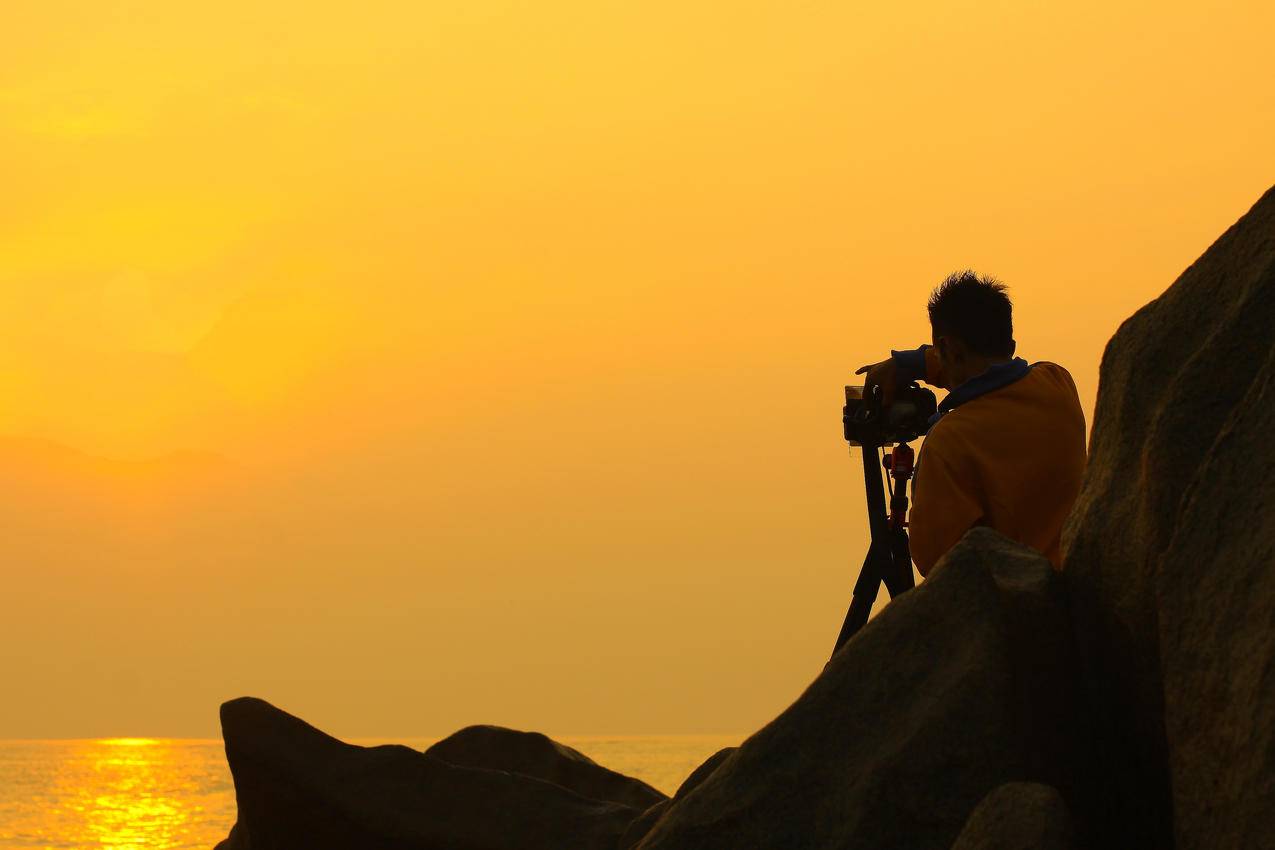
910 725
300 788
537 755
1019 816
1172 599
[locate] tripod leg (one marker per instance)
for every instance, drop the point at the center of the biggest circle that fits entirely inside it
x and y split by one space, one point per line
878 566
865 593
860 608
899 579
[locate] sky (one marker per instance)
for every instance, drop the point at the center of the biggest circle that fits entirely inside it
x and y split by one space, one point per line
414 365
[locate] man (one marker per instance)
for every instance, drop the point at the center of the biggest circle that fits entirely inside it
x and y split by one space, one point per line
1007 446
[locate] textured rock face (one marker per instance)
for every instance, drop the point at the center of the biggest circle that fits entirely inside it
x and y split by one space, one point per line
1216 596
947 694
299 788
534 754
1172 596
1019 816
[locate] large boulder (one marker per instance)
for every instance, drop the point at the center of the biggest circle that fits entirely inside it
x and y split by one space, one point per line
534 754
1019 816
1215 592
1172 594
957 687
299 788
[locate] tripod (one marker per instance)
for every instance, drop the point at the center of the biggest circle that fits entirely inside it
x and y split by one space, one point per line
888 558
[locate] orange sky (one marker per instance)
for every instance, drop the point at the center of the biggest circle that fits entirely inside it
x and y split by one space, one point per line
416 364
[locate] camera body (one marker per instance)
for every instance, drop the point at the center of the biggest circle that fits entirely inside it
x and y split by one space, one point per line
867 423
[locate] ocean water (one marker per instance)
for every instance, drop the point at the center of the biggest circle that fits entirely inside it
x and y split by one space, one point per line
164 793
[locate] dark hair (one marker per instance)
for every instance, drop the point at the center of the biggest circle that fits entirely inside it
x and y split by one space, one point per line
975 310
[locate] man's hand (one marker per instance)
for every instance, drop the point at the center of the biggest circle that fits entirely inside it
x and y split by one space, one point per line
883 375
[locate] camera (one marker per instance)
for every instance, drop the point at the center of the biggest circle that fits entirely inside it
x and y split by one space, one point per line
867 423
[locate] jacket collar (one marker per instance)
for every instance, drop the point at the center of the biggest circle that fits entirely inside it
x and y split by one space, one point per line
993 378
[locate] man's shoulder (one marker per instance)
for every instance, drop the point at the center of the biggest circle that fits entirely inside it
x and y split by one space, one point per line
1046 386
1054 372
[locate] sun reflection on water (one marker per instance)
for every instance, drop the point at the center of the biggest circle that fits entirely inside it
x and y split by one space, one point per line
143 807
119 793
129 742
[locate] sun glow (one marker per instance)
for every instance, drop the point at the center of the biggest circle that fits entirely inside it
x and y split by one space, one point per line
129 742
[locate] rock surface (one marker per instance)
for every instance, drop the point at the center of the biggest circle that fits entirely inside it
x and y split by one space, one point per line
1019 816
920 715
299 788
1173 594
1216 599
534 754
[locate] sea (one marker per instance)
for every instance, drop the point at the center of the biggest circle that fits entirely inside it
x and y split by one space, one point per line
168 793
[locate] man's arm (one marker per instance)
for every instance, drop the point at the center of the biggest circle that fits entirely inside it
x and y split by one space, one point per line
919 364
943 508
903 367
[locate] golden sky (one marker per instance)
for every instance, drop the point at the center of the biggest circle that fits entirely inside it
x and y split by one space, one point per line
420 364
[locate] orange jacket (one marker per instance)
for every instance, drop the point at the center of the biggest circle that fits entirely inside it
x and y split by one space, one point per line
1011 457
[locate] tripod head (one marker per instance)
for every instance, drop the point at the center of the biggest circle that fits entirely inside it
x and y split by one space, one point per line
867 422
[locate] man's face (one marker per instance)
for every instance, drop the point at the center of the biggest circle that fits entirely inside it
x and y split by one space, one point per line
949 349
954 356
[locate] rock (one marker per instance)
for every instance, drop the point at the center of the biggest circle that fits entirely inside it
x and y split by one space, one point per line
1215 597
1019 816
299 788
950 692
1172 596
640 827
234 841
534 754
704 771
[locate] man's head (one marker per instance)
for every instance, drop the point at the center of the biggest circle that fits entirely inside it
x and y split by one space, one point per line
971 320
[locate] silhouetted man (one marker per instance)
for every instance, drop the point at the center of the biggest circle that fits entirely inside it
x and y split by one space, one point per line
1007 446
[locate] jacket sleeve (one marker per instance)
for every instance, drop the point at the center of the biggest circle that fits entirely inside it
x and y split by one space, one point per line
919 364
943 507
